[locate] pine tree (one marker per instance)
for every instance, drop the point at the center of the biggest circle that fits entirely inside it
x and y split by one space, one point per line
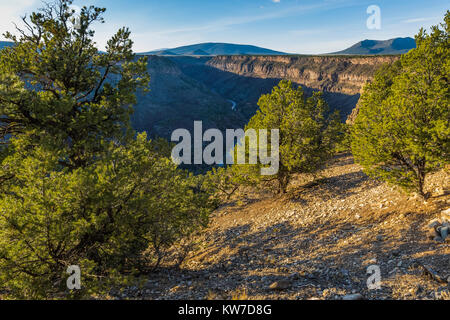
56 88
307 132
402 131
76 186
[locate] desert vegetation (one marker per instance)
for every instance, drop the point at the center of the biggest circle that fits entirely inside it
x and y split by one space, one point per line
78 186
402 131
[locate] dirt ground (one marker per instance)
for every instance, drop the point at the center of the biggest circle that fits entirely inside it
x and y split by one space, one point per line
316 242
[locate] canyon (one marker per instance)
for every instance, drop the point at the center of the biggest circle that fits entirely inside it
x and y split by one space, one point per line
223 91
345 75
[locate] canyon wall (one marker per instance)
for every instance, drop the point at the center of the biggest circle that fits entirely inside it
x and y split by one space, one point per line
340 74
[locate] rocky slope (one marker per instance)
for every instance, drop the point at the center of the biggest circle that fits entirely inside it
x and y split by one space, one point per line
316 242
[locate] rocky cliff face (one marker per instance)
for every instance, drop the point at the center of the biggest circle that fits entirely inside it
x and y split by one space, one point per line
346 75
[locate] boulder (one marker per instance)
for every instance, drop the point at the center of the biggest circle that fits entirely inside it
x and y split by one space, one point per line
280 285
353 297
434 223
445 231
432 233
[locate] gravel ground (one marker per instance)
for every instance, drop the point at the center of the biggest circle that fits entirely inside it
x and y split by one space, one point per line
316 242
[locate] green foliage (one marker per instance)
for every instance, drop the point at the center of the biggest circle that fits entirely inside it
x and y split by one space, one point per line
344 139
307 133
57 88
76 187
226 181
223 181
402 130
104 215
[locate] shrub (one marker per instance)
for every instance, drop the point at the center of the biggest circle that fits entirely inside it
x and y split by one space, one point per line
402 131
103 217
76 187
307 133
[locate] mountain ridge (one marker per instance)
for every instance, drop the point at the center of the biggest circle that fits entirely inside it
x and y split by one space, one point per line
395 46
380 47
215 48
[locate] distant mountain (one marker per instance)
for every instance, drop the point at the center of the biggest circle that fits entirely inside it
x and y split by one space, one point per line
4 44
392 46
214 49
164 52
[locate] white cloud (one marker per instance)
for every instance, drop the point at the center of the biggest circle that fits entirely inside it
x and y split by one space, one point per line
419 20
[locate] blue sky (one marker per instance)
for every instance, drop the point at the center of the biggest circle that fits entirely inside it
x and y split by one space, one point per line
295 26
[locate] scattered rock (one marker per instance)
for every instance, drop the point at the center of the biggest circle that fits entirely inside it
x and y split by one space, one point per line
418 290
439 230
434 223
432 234
445 215
280 285
149 285
445 231
352 297
297 259
396 253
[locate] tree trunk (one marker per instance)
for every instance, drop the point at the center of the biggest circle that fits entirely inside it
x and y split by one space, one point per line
283 180
421 174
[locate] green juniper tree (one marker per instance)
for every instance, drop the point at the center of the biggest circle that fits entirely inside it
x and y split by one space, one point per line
402 131
57 88
307 132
